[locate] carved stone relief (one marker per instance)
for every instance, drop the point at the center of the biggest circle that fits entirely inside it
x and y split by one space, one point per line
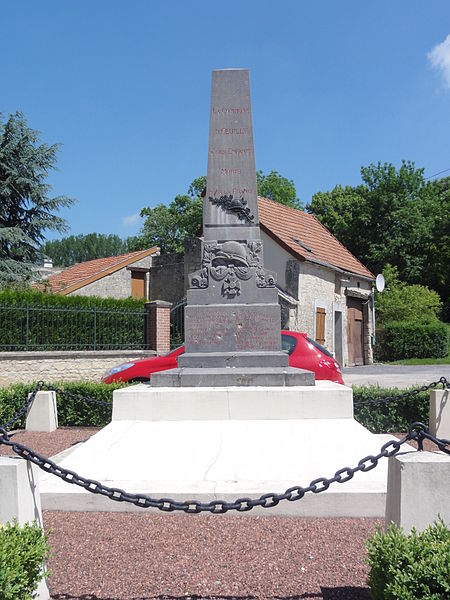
232 262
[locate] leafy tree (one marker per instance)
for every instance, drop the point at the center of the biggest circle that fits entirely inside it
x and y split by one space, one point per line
79 248
278 188
391 218
168 226
403 302
26 210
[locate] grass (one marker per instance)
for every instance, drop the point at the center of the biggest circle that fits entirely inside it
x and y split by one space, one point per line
422 361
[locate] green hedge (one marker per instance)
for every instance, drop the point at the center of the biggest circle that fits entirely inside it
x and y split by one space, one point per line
71 412
23 551
383 418
410 567
32 320
412 339
391 417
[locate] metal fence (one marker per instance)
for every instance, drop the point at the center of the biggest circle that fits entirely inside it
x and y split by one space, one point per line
177 323
28 327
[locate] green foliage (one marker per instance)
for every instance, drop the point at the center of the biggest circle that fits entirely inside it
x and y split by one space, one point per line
80 248
403 302
412 339
410 567
278 188
26 210
382 418
168 226
68 322
393 216
390 417
71 411
23 550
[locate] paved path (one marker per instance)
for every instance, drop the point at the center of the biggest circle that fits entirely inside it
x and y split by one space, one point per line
401 376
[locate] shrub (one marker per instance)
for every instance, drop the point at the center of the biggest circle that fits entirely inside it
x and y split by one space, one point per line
403 302
393 416
412 339
410 567
71 412
23 550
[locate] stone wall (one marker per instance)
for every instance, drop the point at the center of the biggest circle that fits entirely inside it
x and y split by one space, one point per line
167 278
116 285
23 367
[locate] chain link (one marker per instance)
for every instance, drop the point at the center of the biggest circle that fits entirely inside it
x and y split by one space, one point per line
23 409
79 398
408 394
417 432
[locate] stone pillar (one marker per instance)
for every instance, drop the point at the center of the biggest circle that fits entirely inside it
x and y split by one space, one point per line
417 489
20 499
42 414
157 327
440 413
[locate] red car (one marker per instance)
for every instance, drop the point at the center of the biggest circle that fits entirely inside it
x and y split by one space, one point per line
304 353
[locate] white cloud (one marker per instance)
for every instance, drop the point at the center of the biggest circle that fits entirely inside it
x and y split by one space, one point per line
131 220
439 57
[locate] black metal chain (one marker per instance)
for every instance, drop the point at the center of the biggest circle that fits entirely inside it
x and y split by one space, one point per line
417 432
19 414
79 398
408 394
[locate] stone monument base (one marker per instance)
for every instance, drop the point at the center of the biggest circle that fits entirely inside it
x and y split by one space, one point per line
225 443
233 376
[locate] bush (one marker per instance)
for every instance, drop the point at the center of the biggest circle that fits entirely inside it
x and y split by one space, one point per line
23 551
412 339
410 567
71 412
403 302
32 320
390 417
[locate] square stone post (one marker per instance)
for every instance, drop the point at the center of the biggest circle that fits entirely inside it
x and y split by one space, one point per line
42 414
440 413
417 489
157 326
20 499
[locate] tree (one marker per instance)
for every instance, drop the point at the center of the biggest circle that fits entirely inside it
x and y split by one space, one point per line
168 226
79 248
26 210
389 218
278 188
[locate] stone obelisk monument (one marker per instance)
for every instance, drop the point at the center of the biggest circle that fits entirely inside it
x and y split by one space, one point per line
232 316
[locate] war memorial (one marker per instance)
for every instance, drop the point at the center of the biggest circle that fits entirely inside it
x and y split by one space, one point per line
233 420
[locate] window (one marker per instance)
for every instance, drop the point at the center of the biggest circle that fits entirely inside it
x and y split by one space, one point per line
320 325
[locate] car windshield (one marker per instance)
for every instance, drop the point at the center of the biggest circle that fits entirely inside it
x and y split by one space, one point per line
288 343
319 347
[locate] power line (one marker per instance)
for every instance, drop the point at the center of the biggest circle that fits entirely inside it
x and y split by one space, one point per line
436 174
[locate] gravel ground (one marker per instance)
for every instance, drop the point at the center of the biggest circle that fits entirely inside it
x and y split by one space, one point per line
123 556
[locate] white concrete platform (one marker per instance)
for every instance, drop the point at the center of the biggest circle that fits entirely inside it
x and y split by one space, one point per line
222 443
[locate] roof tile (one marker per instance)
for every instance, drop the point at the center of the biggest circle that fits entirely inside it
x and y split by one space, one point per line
304 236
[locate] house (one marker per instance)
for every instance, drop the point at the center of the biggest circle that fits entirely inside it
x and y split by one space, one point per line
113 277
323 289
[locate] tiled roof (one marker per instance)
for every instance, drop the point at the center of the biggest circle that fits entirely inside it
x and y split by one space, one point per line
82 274
303 236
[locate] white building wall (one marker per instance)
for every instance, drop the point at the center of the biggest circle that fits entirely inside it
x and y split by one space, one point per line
116 285
275 258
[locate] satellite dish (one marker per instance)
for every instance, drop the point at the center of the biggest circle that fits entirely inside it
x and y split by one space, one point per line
380 283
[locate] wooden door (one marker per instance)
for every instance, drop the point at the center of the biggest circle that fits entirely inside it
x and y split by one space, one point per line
138 284
355 328
320 325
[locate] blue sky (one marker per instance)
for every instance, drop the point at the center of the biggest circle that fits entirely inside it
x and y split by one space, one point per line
125 88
